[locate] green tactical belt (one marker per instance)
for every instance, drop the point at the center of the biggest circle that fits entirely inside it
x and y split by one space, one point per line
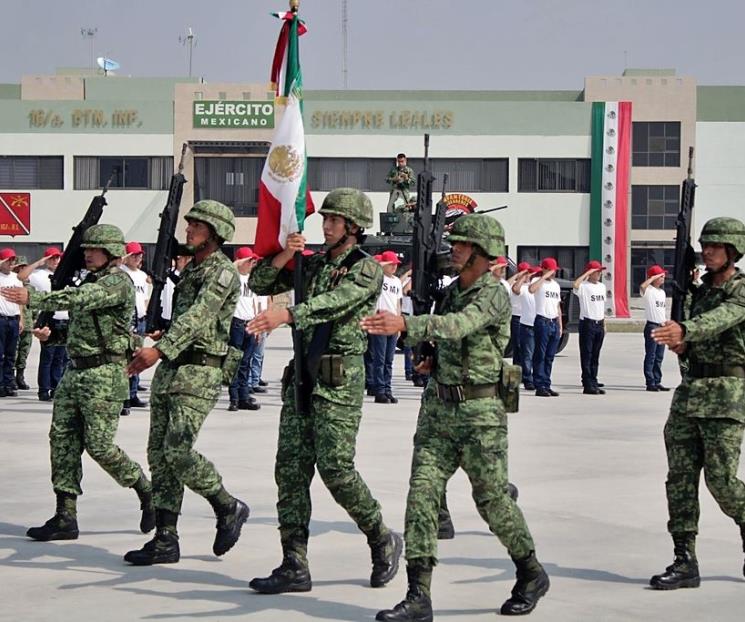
89 362
198 357
715 370
455 393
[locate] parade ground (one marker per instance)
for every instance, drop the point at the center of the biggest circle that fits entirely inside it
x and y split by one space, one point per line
590 469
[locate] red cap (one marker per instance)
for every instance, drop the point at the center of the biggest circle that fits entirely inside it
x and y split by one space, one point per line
500 262
377 257
594 264
133 248
389 257
656 270
244 252
7 253
535 269
522 266
549 264
52 251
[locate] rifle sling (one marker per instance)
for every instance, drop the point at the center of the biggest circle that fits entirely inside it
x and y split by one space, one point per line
321 339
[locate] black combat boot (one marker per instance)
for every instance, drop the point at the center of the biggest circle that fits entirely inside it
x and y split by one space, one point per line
417 606
385 551
163 548
532 583
144 490
742 534
683 572
231 513
512 491
20 380
445 529
292 575
63 525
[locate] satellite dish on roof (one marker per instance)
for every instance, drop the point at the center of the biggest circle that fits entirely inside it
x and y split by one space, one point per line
107 64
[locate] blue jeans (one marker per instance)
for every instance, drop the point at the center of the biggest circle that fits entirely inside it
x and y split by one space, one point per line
527 348
409 362
517 358
52 360
240 389
134 381
383 350
257 362
9 331
653 355
546 343
591 335
368 358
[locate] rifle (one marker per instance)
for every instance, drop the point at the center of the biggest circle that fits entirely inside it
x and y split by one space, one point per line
72 259
685 258
165 248
428 254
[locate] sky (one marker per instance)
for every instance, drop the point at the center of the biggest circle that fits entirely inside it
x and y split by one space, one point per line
392 44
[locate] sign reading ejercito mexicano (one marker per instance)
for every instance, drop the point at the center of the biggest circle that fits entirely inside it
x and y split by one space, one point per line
233 114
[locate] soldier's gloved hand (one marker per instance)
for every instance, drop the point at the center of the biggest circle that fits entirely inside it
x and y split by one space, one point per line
383 323
670 334
42 334
142 359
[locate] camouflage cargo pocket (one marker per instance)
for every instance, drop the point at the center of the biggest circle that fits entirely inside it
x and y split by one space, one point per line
230 365
509 387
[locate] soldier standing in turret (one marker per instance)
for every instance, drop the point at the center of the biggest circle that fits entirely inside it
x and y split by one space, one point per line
401 179
704 430
462 420
343 285
89 396
187 384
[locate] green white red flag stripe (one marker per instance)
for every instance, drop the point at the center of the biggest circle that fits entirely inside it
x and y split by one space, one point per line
609 203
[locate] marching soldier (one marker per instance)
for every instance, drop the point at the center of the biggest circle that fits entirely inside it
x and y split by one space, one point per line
462 421
342 287
704 430
186 386
89 396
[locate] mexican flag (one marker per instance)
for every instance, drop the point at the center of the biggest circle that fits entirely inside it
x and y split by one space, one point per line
284 198
609 200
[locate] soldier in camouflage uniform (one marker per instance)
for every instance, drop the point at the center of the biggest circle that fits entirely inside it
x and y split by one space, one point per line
704 430
342 287
89 396
462 421
26 338
401 179
187 384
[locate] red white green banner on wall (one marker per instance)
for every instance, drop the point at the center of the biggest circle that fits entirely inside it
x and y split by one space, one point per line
609 205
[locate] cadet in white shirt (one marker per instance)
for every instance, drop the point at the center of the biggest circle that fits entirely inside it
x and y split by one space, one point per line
132 264
10 324
655 300
384 346
521 287
547 327
523 268
591 292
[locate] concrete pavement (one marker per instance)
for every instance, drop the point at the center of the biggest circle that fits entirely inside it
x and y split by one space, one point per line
590 469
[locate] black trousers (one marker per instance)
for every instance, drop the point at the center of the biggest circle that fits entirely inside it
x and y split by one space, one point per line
591 335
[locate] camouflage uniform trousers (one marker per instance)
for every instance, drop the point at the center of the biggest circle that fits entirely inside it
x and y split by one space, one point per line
180 402
693 444
24 347
471 435
85 417
326 438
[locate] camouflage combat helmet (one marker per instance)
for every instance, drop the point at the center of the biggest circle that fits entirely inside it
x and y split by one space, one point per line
107 237
350 203
481 230
724 231
216 214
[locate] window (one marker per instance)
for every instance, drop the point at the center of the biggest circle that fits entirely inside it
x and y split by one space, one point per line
31 172
126 172
232 181
656 143
643 257
553 175
654 207
368 174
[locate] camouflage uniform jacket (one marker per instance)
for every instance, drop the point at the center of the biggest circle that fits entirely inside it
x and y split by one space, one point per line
203 306
108 297
715 334
470 328
409 179
331 294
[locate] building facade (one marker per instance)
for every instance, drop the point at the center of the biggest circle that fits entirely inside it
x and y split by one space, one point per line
63 137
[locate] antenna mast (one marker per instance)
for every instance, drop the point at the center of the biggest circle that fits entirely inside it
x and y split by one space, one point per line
90 33
189 40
